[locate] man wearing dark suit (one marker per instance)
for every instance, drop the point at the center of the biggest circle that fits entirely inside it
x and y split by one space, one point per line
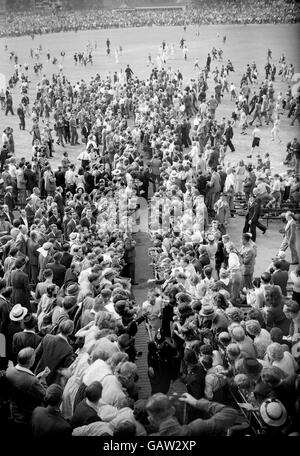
60 178
66 258
27 337
71 225
5 227
252 218
194 379
280 277
213 160
48 421
33 255
21 240
9 202
30 178
55 352
59 200
29 212
5 308
145 177
66 219
201 183
88 219
129 257
86 411
20 284
55 219
55 236
27 391
59 270
223 176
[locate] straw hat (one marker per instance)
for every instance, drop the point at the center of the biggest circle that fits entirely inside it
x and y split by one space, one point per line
273 412
18 312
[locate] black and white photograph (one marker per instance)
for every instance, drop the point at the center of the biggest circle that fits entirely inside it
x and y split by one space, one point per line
149 224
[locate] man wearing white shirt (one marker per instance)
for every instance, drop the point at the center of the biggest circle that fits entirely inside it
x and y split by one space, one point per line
275 192
256 135
188 268
203 109
234 267
12 169
70 178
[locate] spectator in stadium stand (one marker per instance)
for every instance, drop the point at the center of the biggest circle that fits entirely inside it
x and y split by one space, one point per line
290 237
280 277
161 412
48 421
26 390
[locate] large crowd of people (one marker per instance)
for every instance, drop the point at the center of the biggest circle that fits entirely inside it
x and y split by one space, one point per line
68 311
216 12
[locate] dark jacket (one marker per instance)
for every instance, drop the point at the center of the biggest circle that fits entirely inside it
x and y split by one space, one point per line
54 352
70 277
26 392
5 308
59 272
66 259
201 184
30 178
87 222
129 255
195 381
30 214
60 179
223 176
221 418
254 211
20 284
47 422
24 339
281 278
69 228
277 319
13 327
9 201
83 415
32 252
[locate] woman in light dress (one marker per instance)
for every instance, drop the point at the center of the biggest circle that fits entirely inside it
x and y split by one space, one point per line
275 130
240 177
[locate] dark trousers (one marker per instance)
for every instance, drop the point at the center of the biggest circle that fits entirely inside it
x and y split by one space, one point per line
22 122
131 271
229 143
67 135
251 227
9 109
160 383
33 273
74 136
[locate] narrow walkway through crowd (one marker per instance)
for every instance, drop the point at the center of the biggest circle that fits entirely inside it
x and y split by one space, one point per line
143 274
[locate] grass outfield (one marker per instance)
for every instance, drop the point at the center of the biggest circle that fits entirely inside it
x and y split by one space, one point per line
244 44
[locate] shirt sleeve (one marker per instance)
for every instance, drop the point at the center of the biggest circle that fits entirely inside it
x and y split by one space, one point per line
221 419
208 391
233 262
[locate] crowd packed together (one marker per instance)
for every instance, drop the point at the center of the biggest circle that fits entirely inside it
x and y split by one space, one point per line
68 312
211 12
